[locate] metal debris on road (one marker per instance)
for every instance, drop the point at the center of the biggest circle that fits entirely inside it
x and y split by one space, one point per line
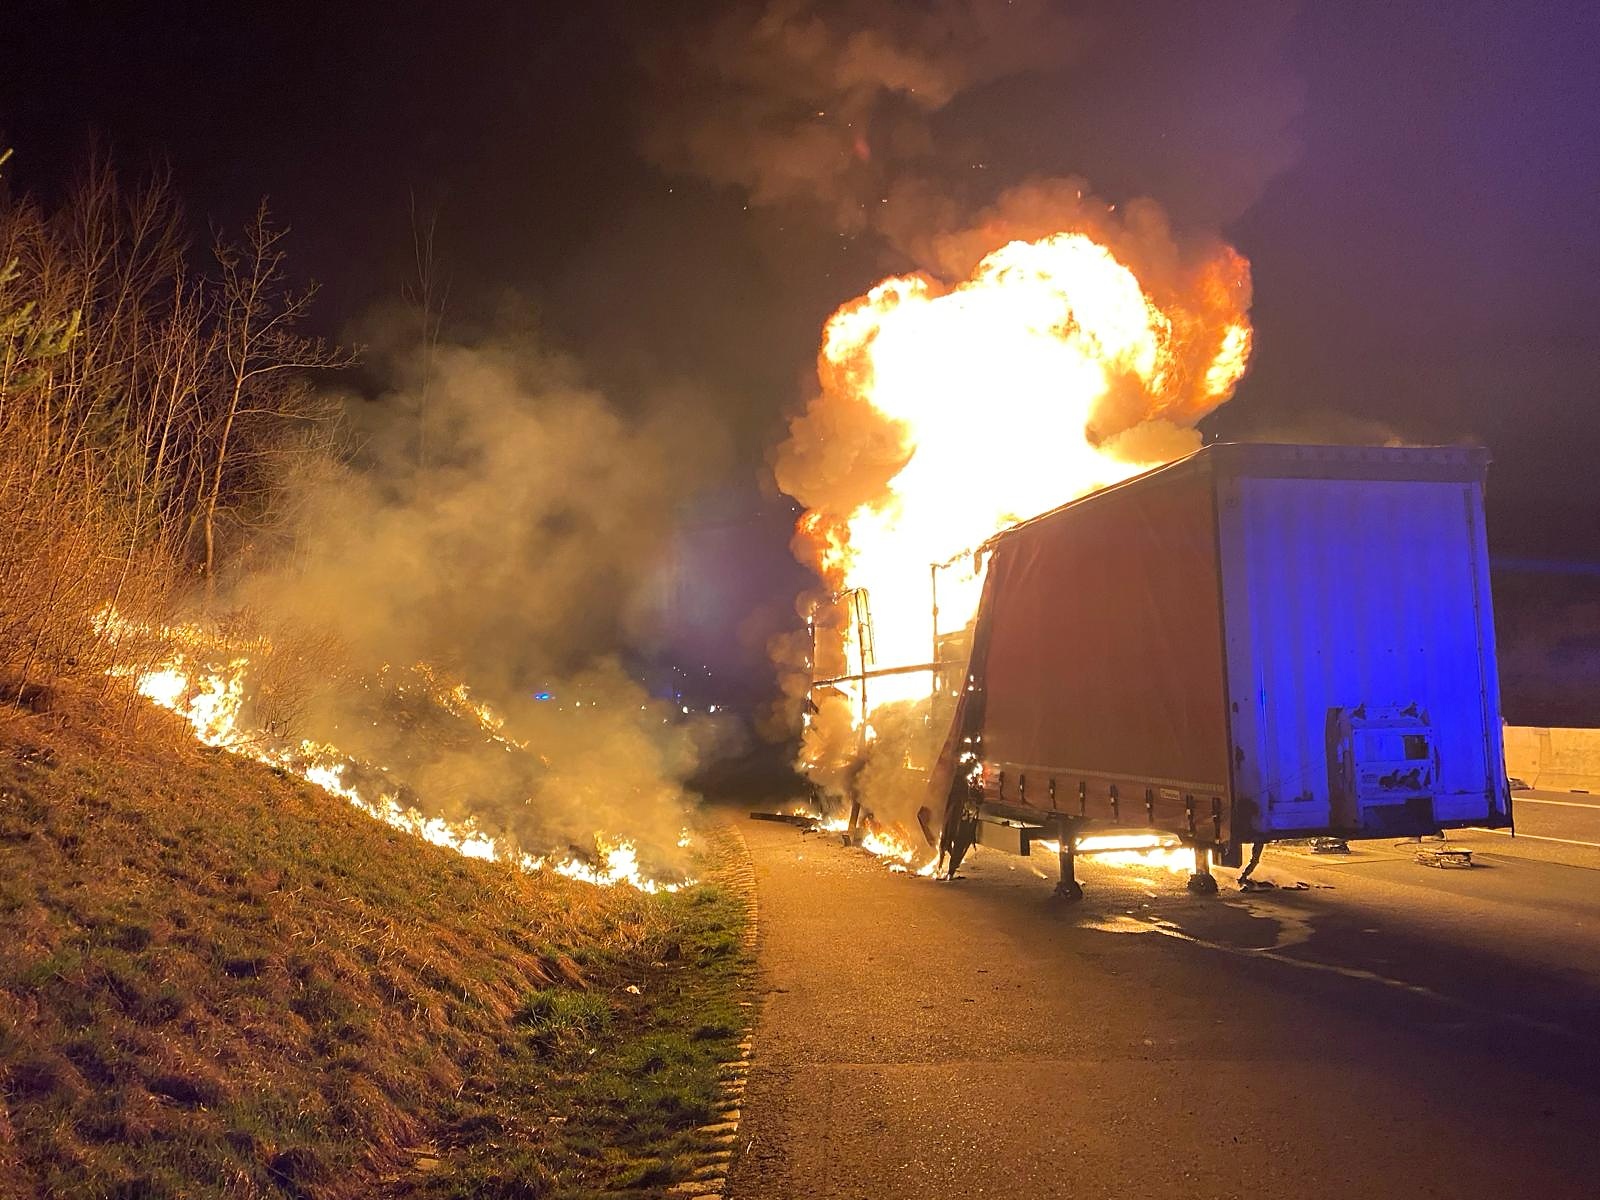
1444 856
802 820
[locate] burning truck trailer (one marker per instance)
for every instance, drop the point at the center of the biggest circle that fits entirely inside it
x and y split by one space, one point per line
1253 643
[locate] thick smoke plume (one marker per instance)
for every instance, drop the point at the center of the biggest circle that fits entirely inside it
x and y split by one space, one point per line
499 523
900 120
829 105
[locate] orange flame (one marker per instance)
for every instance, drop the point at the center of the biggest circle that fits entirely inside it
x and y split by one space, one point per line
211 698
947 412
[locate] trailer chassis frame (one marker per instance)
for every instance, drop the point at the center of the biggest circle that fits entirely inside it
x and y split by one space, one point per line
1065 829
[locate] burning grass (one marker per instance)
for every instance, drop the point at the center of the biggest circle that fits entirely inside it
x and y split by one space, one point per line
221 981
240 694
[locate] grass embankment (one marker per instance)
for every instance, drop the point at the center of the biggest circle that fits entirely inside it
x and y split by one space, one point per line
218 982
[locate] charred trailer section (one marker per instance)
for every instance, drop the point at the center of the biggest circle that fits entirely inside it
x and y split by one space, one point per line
1255 642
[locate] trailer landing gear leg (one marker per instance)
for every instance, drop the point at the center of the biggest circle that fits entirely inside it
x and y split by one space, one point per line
1068 889
1245 882
1202 882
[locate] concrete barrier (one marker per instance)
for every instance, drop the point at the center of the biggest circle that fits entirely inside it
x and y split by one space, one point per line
1559 760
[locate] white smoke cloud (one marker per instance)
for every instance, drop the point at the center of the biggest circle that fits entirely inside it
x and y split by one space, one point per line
500 521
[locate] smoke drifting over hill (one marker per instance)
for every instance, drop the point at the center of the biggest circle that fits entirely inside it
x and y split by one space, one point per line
500 522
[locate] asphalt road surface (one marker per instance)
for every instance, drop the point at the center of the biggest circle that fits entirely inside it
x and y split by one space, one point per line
1558 816
1389 1030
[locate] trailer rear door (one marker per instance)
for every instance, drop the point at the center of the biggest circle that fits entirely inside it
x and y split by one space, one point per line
1360 652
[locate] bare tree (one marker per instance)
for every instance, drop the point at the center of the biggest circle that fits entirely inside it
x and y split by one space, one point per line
143 410
426 294
263 358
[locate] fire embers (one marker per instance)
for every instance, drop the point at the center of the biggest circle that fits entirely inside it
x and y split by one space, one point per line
898 850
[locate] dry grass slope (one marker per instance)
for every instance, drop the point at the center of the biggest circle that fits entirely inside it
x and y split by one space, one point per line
218 982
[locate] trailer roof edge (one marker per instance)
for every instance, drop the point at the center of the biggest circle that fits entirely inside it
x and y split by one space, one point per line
1282 460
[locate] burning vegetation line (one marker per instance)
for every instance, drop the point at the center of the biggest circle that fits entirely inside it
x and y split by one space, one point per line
212 695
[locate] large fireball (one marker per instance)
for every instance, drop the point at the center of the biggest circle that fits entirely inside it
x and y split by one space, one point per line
947 411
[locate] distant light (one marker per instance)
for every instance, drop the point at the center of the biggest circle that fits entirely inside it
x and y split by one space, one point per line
685 708
543 696
713 708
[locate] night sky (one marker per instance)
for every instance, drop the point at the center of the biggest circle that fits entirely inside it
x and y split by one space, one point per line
1415 187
